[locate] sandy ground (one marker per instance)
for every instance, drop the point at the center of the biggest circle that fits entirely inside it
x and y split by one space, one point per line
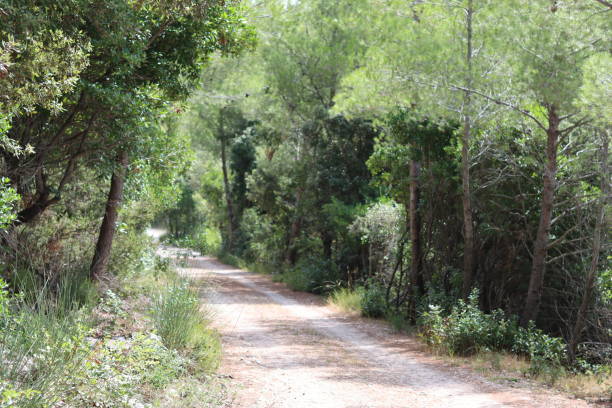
283 349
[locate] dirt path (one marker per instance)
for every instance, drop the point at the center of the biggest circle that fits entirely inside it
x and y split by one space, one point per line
288 350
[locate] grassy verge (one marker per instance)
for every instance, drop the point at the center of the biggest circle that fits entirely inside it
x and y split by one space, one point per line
512 369
144 342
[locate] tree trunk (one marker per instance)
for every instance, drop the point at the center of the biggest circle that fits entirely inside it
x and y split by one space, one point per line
228 197
417 285
294 233
111 213
591 278
416 276
40 204
328 241
292 253
468 222
32 212
540 248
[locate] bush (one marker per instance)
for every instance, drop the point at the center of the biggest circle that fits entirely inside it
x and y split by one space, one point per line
373 302
132 252
208 241
311 275
543 350
113 374
468 330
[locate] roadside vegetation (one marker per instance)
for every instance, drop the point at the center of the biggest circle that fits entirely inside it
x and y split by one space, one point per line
140 343
493 345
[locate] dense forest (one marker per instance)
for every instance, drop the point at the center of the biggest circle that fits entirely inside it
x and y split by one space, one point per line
445 163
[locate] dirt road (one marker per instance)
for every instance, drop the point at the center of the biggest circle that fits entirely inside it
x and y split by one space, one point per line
288 350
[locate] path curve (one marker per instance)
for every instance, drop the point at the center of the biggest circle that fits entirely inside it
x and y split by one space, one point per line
286 349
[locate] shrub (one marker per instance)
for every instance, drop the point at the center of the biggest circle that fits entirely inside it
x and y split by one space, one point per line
114 373
208 241
373 302
468 330
296 280
543 350
311 275
132 252
399 321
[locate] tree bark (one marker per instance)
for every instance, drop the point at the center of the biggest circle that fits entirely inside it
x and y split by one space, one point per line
468 222
41 203
591 278
540 248
228 196
111 213
328 241
417 284
294 233
416 276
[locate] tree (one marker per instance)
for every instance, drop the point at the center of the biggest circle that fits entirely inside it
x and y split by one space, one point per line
550 48
129 79
429 49
412 159
598 233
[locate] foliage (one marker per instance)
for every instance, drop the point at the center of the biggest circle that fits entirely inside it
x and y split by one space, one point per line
310 275
8 197
467 330
373 302
39 344
109 377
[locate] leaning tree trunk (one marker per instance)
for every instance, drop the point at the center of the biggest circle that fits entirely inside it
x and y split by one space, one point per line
468 222
111 213
540 248
591 278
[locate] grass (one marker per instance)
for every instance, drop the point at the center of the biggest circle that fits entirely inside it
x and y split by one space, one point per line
39 343
508 367
347 300
183 324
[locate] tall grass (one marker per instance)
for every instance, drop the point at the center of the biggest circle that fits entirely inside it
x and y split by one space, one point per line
347 300
39 344
183 324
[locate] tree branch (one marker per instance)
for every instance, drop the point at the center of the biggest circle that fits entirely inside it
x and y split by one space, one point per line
503 103
605 3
